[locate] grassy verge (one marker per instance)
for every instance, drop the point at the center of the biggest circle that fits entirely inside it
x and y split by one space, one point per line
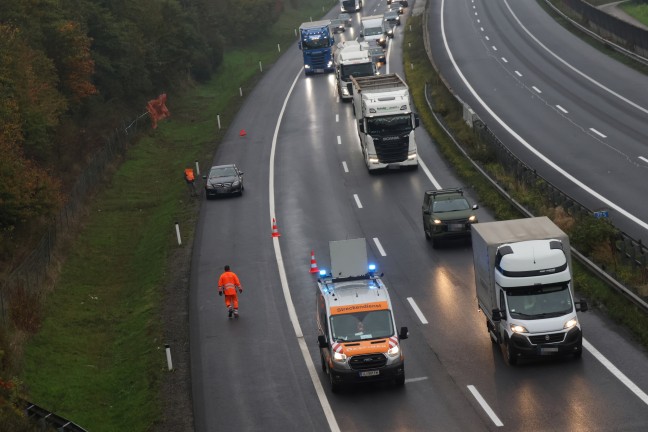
98 358
444 103
638 11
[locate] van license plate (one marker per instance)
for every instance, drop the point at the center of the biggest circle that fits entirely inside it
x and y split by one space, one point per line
455 227
548 350
369 373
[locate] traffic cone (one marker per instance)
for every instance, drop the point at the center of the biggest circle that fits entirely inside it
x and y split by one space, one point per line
313 268
275 231
242 133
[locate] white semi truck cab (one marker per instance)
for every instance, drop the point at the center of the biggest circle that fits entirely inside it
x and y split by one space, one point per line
374 28
352 58
383 110
524 287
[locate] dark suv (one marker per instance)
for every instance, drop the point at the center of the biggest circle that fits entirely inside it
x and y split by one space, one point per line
447 214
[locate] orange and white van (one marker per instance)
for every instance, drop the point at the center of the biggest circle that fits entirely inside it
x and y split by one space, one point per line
357 333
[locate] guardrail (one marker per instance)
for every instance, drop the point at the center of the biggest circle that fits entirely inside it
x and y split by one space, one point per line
482 130
47 419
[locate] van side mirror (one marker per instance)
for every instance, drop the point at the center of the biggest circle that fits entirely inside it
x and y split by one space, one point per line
497 315
581 306
321 341
404 333
475 207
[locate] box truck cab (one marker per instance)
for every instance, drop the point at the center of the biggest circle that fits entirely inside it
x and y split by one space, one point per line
524 287
357 335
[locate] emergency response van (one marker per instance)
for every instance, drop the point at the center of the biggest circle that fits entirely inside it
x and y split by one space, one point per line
357 333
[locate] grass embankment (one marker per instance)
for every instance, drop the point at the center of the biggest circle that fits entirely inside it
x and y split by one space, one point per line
638 11
444 103
99 357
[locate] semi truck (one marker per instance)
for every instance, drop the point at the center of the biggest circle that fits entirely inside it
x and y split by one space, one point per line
357 336
350 5
524 287
315 41
352 58
374 28
383 110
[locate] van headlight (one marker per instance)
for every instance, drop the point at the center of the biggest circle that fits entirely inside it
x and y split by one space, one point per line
516 328
393 352
571 323
472 218
339 357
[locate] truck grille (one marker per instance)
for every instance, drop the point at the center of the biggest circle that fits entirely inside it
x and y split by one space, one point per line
548 338
318 60
392 149
370 361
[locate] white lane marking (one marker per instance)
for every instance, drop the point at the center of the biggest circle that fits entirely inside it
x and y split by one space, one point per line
344 165
429 174
379 246
562 109
643 158
481 28
598 133
357 200
487 38
504 60
388 57
411 380
573 68
319 390
536 89
485 406
494 48
522 141
478 21
616 372
518 73
417 311
337 118
339 140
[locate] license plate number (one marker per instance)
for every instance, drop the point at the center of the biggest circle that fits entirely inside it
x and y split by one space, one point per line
455 227
369 373
548 350
319 70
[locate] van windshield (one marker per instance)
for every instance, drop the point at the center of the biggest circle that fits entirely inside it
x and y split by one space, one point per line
361 326
539 302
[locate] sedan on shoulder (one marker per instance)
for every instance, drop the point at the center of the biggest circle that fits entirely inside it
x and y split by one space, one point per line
223 180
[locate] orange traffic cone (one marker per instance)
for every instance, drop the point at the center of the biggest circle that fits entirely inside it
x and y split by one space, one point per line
242 133
275 231
313 268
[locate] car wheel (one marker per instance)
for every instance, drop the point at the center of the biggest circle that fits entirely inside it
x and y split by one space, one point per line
323 363
435 243
335 386
400 381
427 234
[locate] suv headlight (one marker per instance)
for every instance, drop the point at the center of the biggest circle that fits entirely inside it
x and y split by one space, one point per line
472 218
437 221
393 352
236 183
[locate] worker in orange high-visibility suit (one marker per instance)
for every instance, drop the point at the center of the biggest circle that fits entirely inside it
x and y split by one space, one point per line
228 283
191 181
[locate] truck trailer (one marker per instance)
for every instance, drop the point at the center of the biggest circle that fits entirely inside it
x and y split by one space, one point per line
374 28
524 287
383 110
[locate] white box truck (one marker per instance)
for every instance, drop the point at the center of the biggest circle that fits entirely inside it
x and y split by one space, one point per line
374 28
351 58
383 110
524 287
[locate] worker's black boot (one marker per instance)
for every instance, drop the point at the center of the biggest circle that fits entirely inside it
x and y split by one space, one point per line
229 313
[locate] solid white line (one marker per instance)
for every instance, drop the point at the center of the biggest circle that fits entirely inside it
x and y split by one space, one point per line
562 109
388 57
337 118
518 73
598 133
504 60
536 89
522 141
417 311
481 28
486 37
616 372
485 406
319 390
379 246
429 175
357 200
494 48
411 380
344 165
339 140
643 158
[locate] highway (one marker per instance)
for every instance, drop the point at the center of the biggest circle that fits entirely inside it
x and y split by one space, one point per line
303 166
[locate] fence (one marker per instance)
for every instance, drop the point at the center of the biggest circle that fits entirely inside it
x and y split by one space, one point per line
30 275
632 249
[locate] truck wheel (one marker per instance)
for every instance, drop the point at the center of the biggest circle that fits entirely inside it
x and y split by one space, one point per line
323 363
399 381
509 352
